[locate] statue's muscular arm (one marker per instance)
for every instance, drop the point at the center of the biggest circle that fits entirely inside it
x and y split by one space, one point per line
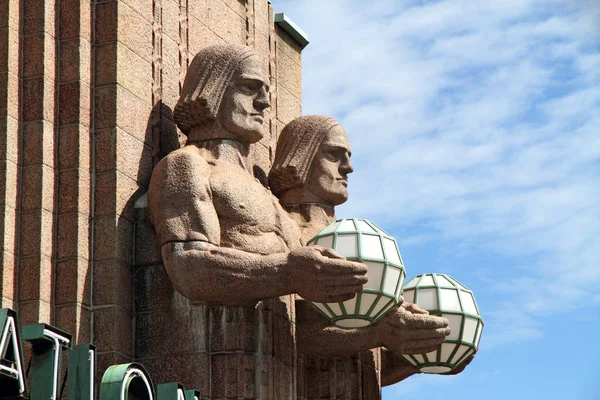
182 211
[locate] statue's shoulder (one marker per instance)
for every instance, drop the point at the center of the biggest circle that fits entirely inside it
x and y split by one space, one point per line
186 161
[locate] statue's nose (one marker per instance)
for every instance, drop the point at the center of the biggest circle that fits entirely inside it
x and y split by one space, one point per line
262 100
346 166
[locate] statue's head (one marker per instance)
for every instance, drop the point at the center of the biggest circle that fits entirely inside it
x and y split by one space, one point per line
227 84
313 154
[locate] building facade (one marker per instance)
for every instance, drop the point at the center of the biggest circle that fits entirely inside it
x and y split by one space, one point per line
87 90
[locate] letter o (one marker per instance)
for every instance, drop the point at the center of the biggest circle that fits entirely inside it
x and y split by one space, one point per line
125 382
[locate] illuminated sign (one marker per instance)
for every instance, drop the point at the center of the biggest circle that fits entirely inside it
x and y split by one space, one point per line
119 382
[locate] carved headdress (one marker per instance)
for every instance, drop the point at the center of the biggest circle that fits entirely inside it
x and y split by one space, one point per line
298 143
205 84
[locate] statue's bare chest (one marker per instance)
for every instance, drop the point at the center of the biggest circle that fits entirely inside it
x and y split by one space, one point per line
239 196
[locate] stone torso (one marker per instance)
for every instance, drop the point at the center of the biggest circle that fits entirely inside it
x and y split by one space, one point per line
250 217
217 200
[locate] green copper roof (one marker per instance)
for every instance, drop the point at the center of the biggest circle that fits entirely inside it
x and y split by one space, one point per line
290 27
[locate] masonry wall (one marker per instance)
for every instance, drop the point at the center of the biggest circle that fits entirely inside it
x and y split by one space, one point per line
86 96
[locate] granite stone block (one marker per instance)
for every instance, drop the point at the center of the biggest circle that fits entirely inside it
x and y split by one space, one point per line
76 320
153 289
38 188
74 191
200 36
113 284
38 143
74 147
155 332
191 370
36 226
39 56
112 330
73 281
35 278
33 312
39 16
8 184
116 193
74 100
113 239
75 19
73 235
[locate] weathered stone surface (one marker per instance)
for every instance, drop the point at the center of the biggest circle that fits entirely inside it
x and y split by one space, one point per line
36 226
289 45
116 192
74 191
200 36
73 282
288 106
147 251
153 289
75 60
35 281
39 56
111 325
74 145
192 370
9 95
74 319
74 101
38 16
38 99
75 19
118 150
8 184
289 74
112 236
38 143
73 235
226 23
116 105
112 284
33 312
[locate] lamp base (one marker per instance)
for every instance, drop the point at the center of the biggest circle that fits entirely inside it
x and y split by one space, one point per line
435 370
352 323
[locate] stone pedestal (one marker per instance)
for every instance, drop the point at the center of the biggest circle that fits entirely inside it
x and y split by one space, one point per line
204 346
353 377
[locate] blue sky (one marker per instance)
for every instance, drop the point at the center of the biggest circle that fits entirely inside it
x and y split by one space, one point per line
475 128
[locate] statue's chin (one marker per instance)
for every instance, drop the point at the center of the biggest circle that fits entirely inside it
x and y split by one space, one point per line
338 198
249 135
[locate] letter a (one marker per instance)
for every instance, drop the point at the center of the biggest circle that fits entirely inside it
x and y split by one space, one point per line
12 379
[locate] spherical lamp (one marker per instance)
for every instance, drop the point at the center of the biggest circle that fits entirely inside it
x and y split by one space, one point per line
444 296
363 241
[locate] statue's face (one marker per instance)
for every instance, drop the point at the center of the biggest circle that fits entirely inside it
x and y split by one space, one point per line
328 174
245 100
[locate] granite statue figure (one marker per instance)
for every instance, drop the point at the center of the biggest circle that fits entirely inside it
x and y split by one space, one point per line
310 177
225 238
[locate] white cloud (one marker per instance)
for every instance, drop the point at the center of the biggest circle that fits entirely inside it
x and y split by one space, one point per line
473 121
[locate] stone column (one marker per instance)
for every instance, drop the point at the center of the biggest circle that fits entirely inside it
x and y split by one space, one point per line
224 352
122 160
10 64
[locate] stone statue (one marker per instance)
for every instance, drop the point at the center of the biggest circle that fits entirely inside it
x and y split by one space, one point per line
225 238
310 177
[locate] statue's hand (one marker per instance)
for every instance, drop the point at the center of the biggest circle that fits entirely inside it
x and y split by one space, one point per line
411 330
320 274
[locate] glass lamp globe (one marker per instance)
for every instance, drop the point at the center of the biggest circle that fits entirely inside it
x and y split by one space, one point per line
444 296
363 241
